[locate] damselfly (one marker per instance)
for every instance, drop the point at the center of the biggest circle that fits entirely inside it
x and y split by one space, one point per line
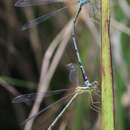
90 89
24 3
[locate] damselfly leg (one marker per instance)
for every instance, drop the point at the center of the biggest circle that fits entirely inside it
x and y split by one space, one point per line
90 89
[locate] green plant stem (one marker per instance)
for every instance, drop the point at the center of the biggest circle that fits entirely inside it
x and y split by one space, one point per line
107 115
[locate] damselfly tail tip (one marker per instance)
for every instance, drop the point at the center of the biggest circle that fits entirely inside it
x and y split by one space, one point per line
25 121
16 100
71 66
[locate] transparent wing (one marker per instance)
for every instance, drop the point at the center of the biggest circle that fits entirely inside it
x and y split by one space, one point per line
73 73
48 107
25 3
32 96
44 17
41 19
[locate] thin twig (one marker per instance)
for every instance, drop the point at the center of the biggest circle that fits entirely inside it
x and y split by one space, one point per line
117 54
120 26
10 88
120 63
125 7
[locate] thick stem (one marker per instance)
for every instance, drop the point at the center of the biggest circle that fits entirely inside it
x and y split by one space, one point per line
107 117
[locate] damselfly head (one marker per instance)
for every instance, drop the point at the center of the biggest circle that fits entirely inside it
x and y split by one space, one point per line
94 84
71 66
73 73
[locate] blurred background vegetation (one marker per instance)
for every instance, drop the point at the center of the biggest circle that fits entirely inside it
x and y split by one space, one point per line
25 64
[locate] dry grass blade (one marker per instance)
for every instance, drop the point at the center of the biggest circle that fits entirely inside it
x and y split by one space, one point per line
120 26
